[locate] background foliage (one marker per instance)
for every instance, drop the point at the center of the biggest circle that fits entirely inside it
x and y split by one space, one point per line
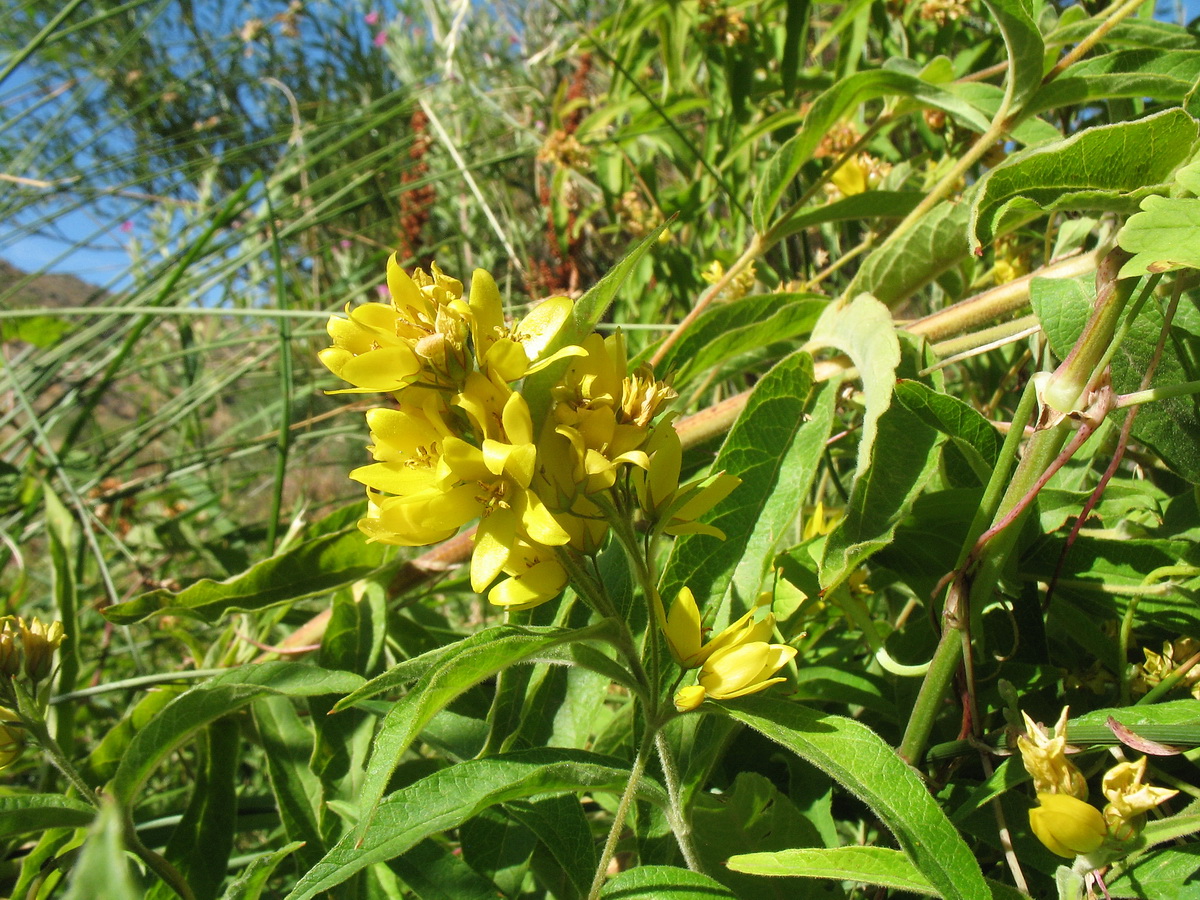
918 195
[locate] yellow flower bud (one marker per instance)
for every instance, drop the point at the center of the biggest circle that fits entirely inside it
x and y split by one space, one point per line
688 698
39 642
10 651
1066 825
682 630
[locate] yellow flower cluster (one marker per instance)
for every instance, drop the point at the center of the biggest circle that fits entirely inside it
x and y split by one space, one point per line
738 661
1063 820
461 443
26 647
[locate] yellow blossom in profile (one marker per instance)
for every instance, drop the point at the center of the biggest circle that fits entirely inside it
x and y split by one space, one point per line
818 523
535 576
520 350
10 648
1067 826
1129 798
1046 760
674 508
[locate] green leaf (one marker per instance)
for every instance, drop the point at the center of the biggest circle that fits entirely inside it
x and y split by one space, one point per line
473 659
1025 49
433 872
857 207
317 566
970 431
742 326
863 764
754 815
896 270
866 865
843 97
1165 235
209 701
288 745
561 826
41 331
664 883
1132 32
864 331
1062 306
1107 168
23 813
755 451
1167 874
253 880
1167 77
103 861
200 844
450 796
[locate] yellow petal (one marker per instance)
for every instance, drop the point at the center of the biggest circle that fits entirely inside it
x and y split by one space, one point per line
688 698
682 629
1066 825
494 540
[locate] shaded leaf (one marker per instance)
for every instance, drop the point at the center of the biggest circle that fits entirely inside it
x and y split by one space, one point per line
23 813
663 883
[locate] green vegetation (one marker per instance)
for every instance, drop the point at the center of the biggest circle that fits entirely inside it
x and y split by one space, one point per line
923 277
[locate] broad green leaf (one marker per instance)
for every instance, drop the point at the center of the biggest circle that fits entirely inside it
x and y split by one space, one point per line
450 796
755 451
209 701
893 272
866 865
825 684
732 329
840 100
1132 32
478 657
970 431
1107 168
498 847
1166 233
863 764
754 815
1025 49
1167 77
855 208
23 813
664 883
561 826
251 883
41 331
317 566
1165 874
524 639
863 329
775 524
103 861
288 746
434 872
1175 722
200 844
1062 306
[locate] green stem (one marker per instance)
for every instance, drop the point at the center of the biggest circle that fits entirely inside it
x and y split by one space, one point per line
681 823
1137 398
618 825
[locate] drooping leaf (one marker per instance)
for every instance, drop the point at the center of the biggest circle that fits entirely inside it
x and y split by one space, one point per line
23 813
179 720
1106 168
103 861
317 566
664 883
1025 49
288 746
478 657
860 761
451 796
731 329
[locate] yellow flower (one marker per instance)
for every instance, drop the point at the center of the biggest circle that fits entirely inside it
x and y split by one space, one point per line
39 641
675 508
419 337
1066 825
1128 798
682 629
1046 760
850 177
818 523
10 651
535 577
520 350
